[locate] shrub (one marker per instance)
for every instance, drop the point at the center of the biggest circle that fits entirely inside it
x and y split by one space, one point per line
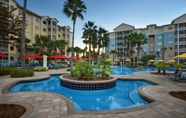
22 73
69 69
40 68
132 66
83 70
6 70
65 63
105 69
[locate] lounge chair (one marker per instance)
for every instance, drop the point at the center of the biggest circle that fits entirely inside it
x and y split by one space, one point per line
180 78
179 74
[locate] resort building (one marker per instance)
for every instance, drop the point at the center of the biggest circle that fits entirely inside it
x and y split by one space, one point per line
36 25
169 40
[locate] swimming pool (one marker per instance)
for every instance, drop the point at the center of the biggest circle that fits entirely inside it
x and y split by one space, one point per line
129 71
124 95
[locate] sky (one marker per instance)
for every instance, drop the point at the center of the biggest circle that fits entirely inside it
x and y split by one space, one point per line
111 13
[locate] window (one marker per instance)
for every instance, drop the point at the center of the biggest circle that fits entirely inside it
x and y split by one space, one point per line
28 32
44 22
170 55
159 49
169 41
159 37
11 48
37 20
11 58
112 45
169 35
36 27
59 30
169 28
170 48
58 35
12 7
36 35
151 44
44 30
160 31
20 12
159 43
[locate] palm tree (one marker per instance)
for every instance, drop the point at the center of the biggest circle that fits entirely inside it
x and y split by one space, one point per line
177 66
140 39
83 51
121 54
158 54
163 50
90 30
69 50
77 50
127 42
105 41
23 36
43 42
74 9
113 52
61 45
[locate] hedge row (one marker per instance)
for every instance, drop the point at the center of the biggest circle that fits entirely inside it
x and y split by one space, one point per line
22 73
6 70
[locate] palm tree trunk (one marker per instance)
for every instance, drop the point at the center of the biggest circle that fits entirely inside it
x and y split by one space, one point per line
72 53
23 36
98 53
89 52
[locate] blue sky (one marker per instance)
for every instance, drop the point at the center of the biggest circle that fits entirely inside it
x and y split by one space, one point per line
111 13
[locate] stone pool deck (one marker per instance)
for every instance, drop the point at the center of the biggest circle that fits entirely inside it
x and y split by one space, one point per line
51 105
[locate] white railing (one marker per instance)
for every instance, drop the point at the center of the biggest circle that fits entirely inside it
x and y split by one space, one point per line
180 42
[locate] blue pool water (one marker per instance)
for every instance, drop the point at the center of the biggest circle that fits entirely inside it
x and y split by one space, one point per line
124 95
129 71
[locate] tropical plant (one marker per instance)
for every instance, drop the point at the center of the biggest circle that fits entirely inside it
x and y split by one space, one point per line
177 66
60 44
77 50
158 65
74 9
104 69
158 54
146 58
113 52
164 66
163 49
89 34
140 39
18 41
83 70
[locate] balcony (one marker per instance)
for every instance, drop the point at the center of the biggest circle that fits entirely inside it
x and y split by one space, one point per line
49 33
4 50
180 43
180 28
180 50
54 33
180 35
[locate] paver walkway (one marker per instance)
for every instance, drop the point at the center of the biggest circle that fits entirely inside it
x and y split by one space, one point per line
49 105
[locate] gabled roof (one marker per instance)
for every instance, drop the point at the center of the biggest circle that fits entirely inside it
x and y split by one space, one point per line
177 18
124 24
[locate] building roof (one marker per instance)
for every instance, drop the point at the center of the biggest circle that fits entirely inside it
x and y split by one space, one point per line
124 24
177 18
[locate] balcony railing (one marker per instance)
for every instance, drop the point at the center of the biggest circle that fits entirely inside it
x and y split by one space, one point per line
180 28
49 32
4 50
180 35
180 43
180 50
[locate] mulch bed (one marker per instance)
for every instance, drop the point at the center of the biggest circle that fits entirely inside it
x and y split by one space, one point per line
67 76
11 111
178 94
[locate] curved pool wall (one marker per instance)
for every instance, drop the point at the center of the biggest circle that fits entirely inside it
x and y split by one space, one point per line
88 85
124 95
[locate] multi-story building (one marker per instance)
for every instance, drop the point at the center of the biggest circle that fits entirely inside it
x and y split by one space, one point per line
169 40
36 25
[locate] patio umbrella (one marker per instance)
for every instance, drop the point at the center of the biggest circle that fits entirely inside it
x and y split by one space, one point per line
77 59
172 61
28 56
84 59
182 56
108 60
160 61
127 60
37 56
117 60
151 60
2 54
55 57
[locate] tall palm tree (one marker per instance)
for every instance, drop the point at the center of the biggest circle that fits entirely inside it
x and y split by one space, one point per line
77 50
74 9
18 41
113 52
90 30
23 36
127 42
43 42
139 40
60 44
121 54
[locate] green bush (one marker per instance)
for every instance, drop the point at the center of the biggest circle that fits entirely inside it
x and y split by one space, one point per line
40 68
65 63
22 73
6 70
69 69
83 70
